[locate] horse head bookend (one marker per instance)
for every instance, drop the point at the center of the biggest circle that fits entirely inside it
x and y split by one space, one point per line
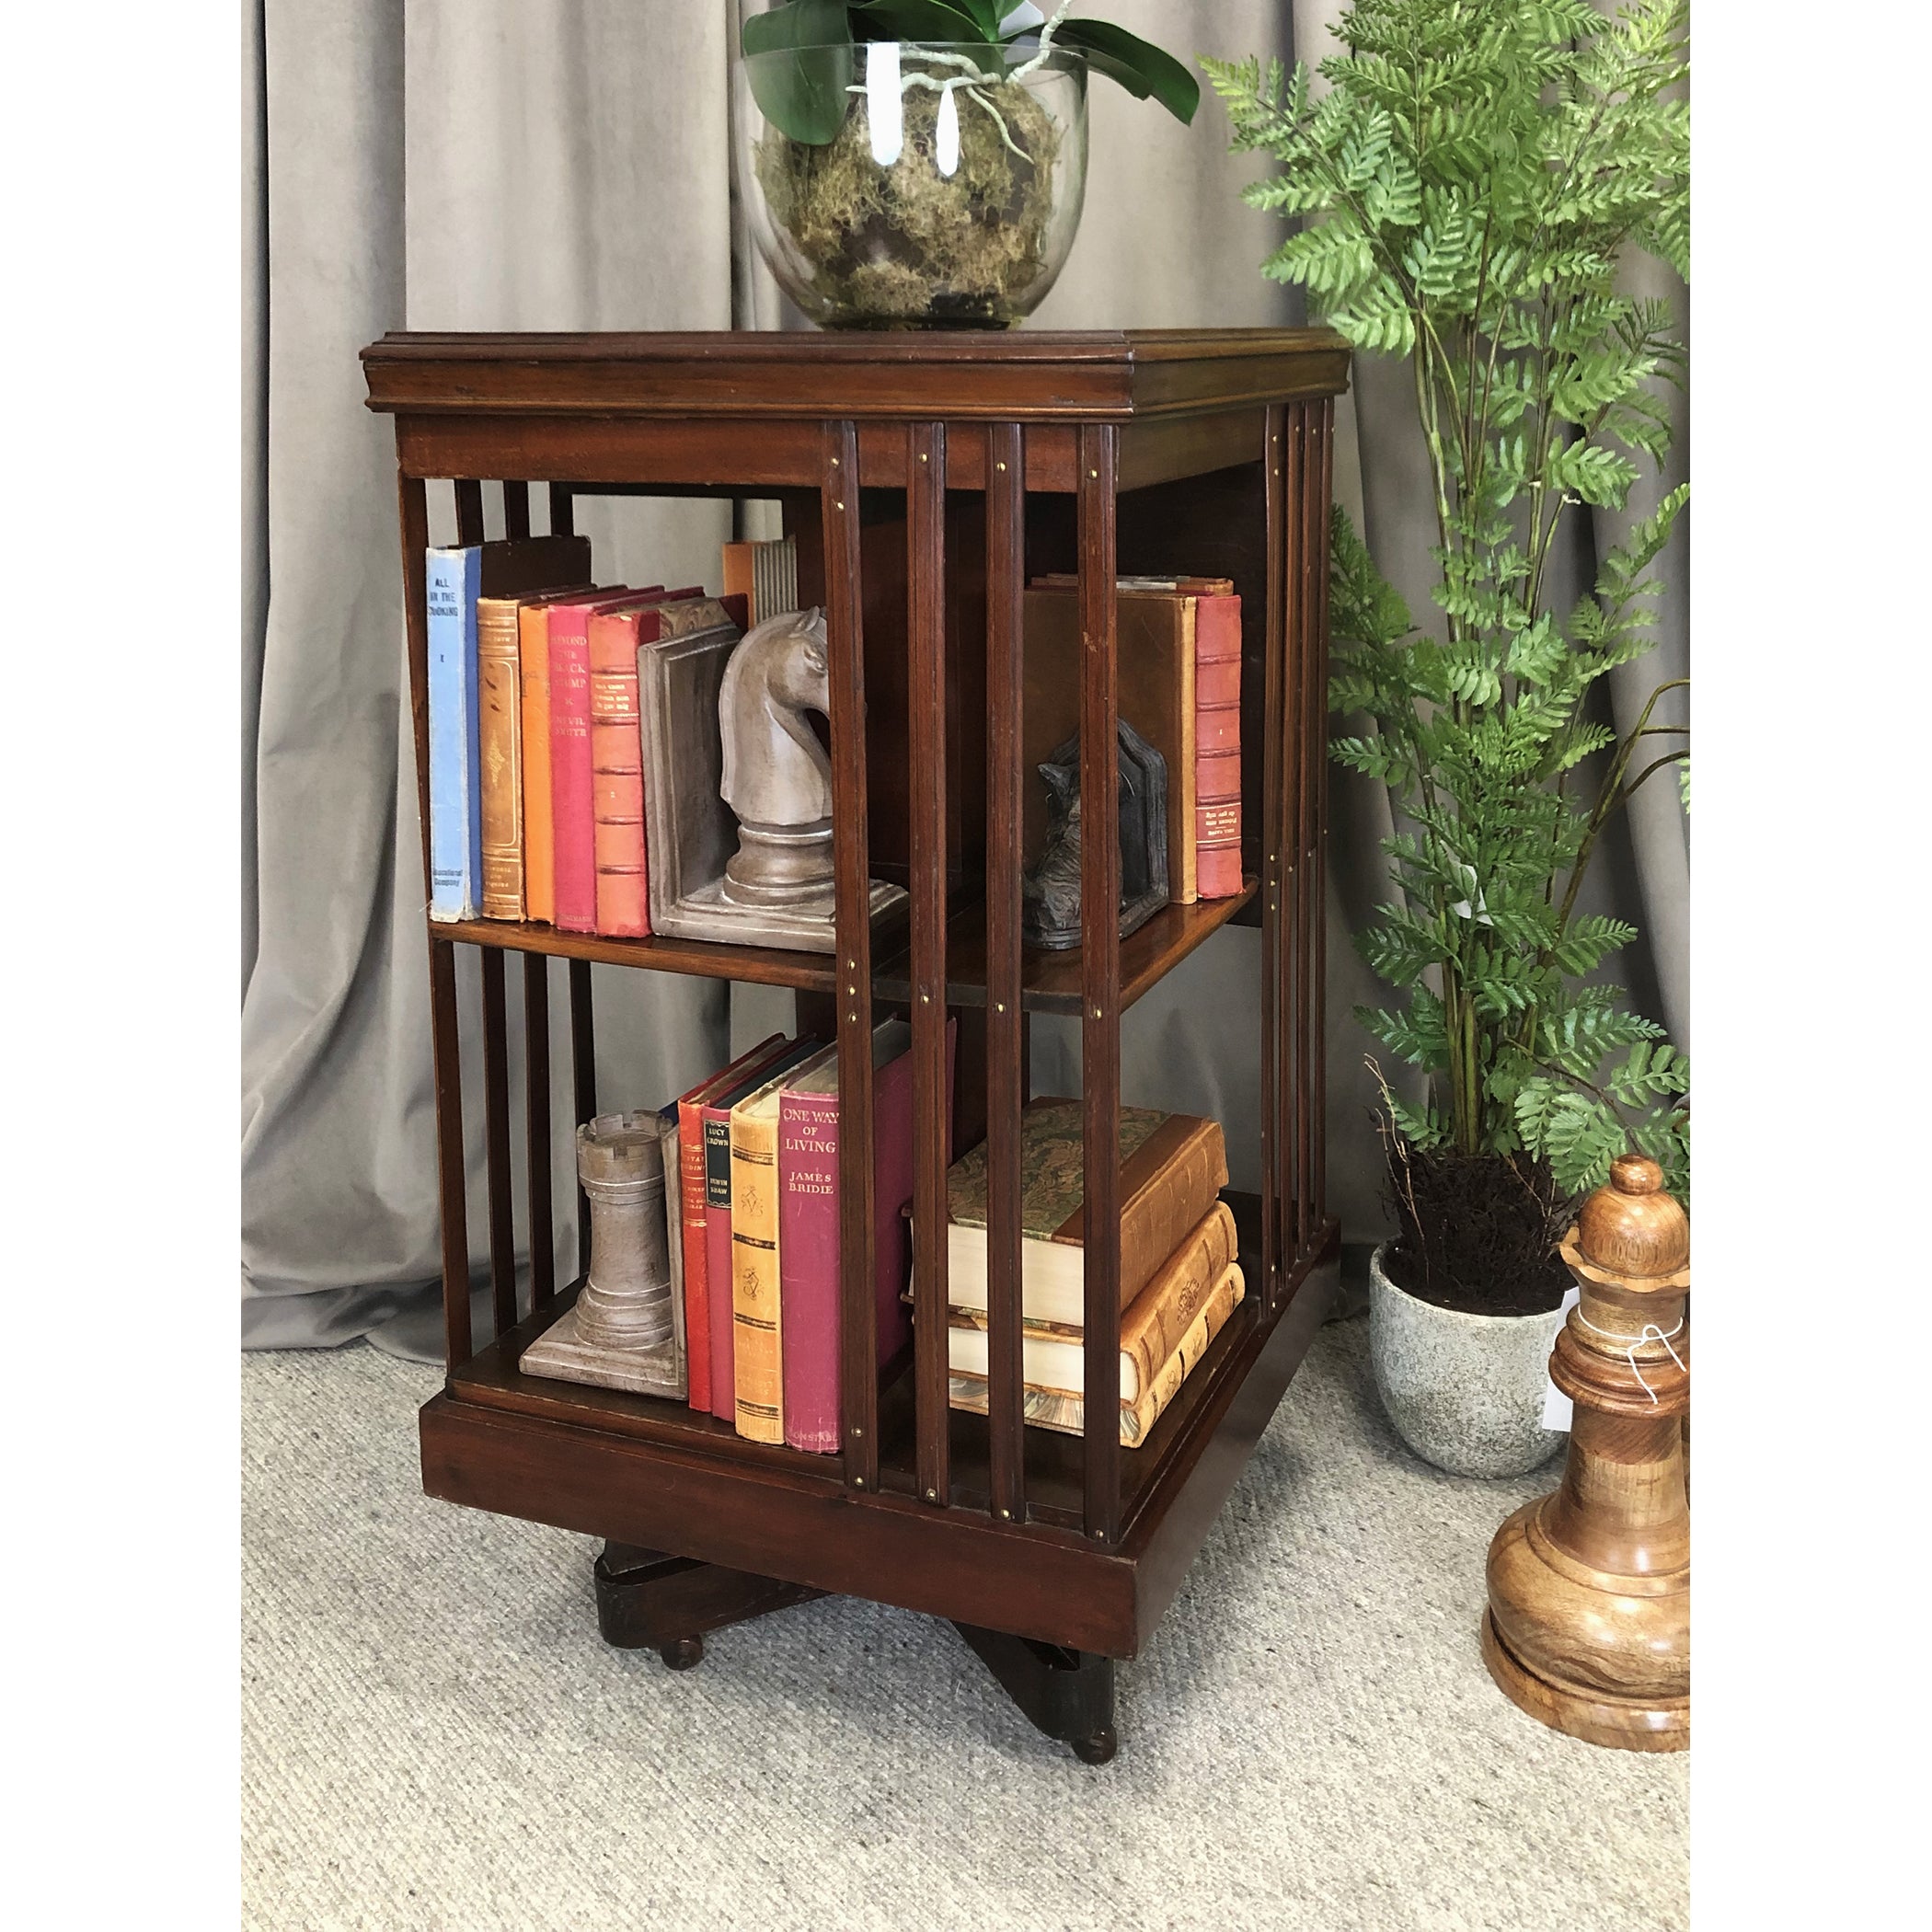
777 775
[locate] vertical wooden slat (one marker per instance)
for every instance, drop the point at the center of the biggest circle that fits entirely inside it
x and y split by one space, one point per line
563 511
925 747
469 510
858 1333
1005 1023
445 1054
537 1150
413 500
1273 635
495 1141
1100 975
1320 648
583 1075
516 510
1313 516
1294 757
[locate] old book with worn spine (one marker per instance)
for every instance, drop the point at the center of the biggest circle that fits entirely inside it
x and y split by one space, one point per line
1172 1168
534 726
1217 765
758 1336
500 695
573 821
1151 1329
457 579
809 1136
1066 1412
715 1115
766 573
617 755
694 1255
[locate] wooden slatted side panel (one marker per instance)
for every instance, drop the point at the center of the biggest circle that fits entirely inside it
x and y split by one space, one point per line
444 1040
926 744
536 1126
1313 517
516 510
1318 856
1100 975
583 1073
495 1141
1005 1022
1273 831
1294 743
858 1333
469 510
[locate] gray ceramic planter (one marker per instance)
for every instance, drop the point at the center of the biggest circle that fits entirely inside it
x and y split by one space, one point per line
1464 1391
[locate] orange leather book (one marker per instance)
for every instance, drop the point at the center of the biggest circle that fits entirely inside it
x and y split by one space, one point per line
499 695
532 620
618 748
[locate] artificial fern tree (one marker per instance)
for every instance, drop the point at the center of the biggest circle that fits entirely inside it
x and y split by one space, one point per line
1470 181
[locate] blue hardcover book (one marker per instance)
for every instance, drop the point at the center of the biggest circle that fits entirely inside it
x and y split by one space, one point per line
455 765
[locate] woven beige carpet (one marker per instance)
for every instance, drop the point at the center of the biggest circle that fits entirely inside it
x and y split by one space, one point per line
435 1736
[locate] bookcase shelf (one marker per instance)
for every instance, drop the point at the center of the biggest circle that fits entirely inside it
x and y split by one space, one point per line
926 479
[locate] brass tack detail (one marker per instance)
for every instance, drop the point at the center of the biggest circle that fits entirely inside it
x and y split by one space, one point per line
932 1496
858 1483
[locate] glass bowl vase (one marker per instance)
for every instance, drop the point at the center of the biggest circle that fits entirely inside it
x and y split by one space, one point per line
939 186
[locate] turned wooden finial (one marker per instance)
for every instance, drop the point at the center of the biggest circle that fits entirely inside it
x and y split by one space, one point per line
1632 1228
1588 1627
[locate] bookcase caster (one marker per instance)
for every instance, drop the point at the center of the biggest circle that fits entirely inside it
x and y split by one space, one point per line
1065 1695
648 1601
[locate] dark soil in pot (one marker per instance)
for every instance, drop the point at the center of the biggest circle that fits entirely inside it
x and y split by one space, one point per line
1478 1231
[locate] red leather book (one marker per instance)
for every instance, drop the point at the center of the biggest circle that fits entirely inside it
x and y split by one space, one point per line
1217 738
617 761
572 808
715 1115
808 1226
691 1206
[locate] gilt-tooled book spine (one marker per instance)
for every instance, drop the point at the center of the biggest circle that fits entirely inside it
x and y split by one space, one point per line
499 736
534 664
758 1343
1217 764
617 773
573 826
455 795
1067 1414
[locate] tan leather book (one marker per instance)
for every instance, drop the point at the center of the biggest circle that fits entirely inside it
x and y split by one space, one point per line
1154 636
499 729
1066 1413
1151 1329
757 1340
1172 1168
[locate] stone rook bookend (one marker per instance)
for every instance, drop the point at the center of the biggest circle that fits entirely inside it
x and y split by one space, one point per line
740 802
1588 1627
621 1332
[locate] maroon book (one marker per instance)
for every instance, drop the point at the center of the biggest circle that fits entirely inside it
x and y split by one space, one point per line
1217 740
808 1227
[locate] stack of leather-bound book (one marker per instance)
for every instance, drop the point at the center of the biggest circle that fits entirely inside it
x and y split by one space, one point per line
1180 1279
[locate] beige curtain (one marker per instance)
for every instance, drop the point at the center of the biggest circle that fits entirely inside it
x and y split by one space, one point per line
565 163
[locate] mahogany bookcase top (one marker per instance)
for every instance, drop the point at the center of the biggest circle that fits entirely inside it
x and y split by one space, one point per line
727 412
1014 375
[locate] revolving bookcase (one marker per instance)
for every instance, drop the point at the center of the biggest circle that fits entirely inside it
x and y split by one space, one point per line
926 478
